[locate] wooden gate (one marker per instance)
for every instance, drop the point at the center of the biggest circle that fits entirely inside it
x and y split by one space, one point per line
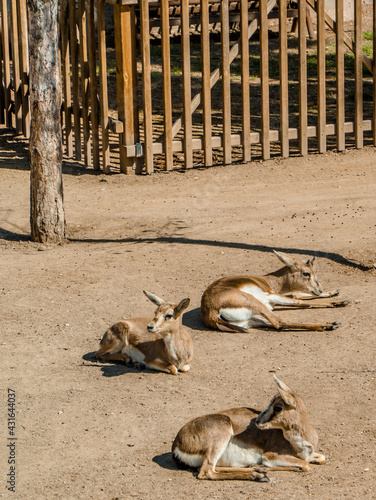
157 85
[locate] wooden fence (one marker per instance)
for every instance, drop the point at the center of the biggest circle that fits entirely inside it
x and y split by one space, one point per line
160 85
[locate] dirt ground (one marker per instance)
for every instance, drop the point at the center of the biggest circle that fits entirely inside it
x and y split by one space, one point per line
86 429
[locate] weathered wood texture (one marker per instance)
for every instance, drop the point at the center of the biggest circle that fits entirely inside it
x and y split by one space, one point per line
186 126
46 189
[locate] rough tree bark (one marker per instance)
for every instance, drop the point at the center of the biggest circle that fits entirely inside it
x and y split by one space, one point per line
47 218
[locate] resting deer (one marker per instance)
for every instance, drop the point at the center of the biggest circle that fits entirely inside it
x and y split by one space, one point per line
160 344
232 443
237 303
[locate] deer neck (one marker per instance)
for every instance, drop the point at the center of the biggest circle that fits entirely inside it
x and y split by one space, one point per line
279 280
303 440
171 346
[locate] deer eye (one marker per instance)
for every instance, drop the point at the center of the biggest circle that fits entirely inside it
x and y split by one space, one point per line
168 316
277 409
306 275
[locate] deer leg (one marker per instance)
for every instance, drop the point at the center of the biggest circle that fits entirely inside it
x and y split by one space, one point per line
317 459
227 473
309 296
105 355
282 300
156 364
275 462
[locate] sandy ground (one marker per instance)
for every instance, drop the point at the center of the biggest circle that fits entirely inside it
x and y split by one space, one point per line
86 429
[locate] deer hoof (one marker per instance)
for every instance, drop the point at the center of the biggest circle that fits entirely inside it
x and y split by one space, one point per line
332 326
341 304
261 478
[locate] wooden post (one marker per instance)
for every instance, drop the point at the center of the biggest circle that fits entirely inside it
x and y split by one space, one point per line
284 79
206 92
303 120
46 188
6 55
75 79
226 84
186 69
321 77
67 105
93 85
126 79
358 75
340 78
24 65
146 86
16 68
103 87
246 116
166 72
264 70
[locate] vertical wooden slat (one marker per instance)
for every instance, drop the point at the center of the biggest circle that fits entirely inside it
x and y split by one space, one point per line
126 82
146 85
2 96
93 84
358 75
321 77
264 72
103 87
75 79
166 72
283 79
16 68
206 90
24 65
303 136
84 81
246 118
6 72
374 72
226 87
186 69
340 77
67 105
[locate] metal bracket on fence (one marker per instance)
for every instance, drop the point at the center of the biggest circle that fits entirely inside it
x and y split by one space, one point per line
134 151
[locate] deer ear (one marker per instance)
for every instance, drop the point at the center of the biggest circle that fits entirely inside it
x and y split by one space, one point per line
286 259
183 304
153 298
285 392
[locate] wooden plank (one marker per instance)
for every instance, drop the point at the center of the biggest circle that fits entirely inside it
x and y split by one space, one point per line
226 87
302 41
75 79
264 72
358 75
166 74
67 103
374 73
82 21
206 89
321 77
186 69
93 85
126 82
16 68
2 96
6 68
246 104
146 85
283 78
236 139
24 65
340 77
103 87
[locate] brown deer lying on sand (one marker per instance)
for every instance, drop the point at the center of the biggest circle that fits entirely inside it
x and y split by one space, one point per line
238 303
160 344
233 444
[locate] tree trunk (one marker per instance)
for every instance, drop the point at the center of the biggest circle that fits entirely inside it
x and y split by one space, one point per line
47 218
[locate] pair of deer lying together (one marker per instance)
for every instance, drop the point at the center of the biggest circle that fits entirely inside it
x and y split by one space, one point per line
232 444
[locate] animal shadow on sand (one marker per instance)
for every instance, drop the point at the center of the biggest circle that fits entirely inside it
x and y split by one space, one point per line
113 368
